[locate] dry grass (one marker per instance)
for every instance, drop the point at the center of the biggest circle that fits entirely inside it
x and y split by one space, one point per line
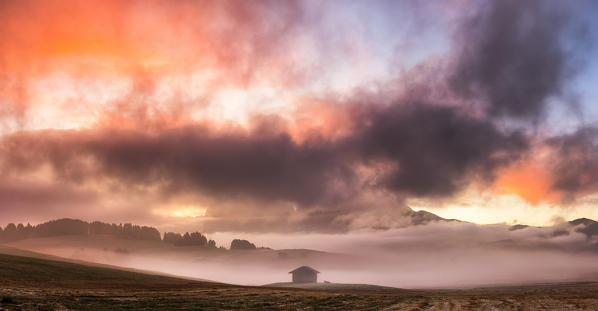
125 296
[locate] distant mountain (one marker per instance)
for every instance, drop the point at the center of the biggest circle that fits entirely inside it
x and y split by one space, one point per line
517 227
582 221
423 217
590 227
586 226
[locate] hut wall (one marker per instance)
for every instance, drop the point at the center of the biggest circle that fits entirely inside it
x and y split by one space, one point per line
305 277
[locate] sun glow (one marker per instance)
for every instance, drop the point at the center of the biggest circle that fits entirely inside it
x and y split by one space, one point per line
182 211
528 181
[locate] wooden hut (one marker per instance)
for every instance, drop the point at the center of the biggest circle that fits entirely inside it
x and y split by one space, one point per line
305 274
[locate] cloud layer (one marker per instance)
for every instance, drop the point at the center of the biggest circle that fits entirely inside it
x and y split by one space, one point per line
144 132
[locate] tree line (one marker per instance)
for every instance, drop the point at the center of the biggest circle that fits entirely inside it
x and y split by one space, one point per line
68 226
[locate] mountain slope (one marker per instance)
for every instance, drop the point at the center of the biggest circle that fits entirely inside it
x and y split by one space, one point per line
590 227
29 267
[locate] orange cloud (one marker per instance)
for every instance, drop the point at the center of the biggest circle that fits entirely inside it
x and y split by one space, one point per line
321 117
529 181
198 46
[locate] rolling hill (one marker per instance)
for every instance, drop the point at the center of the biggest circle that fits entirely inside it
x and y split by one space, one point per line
31 281
23 266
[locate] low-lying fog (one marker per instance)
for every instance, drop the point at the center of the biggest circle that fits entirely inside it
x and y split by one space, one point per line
438 255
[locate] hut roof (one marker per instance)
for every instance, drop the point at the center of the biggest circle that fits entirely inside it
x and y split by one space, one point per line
305 268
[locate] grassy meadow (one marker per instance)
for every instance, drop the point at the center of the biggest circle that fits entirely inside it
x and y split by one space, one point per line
30 281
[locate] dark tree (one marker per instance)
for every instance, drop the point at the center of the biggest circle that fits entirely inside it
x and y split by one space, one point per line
10 232
69 226
189 239
172 238
241 244
65 226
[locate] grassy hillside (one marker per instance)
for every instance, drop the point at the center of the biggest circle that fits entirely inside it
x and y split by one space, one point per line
336 287
30 281
26 267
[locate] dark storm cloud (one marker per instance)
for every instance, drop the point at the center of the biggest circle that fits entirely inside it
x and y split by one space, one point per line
574 162
434 149
431 150
512 56
265 165
35 201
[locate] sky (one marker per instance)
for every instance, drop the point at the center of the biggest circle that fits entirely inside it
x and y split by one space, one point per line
276 117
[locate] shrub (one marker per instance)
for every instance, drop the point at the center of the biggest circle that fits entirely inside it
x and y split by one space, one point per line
241 244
